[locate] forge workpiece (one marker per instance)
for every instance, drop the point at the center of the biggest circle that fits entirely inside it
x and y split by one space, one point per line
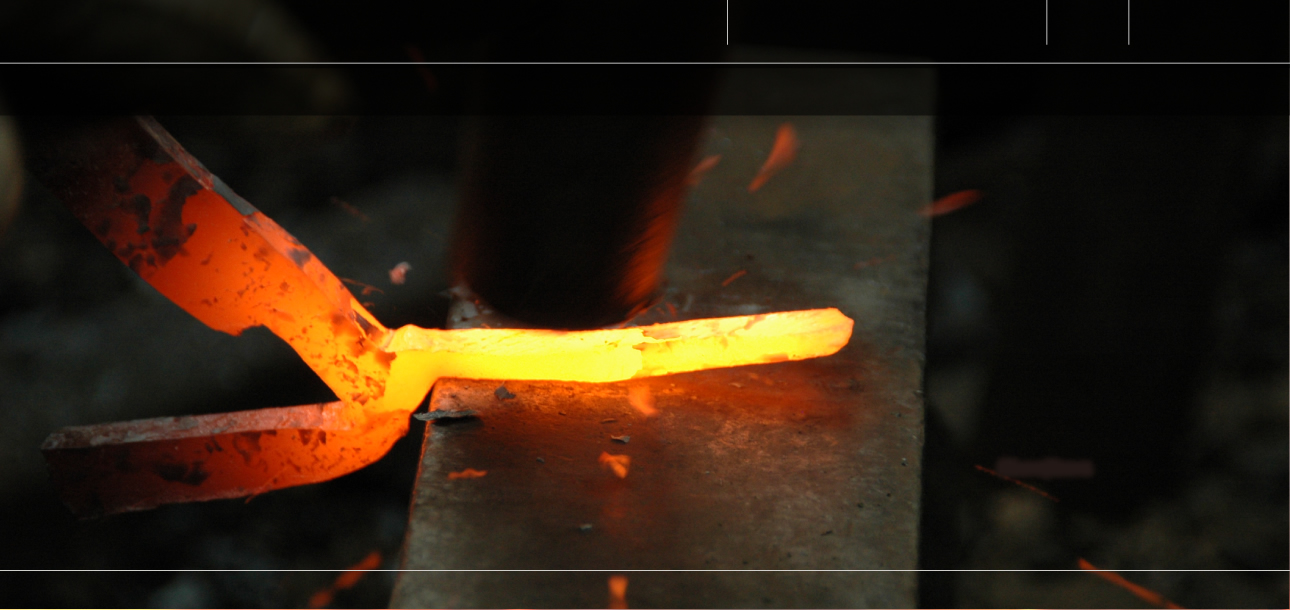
188 235
764 486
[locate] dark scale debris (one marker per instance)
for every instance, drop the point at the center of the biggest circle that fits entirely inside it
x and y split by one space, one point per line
502 393
446 414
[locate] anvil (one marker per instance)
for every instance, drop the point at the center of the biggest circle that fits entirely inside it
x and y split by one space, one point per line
791 484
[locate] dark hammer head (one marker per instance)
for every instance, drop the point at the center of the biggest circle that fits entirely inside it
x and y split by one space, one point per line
566 222
567 214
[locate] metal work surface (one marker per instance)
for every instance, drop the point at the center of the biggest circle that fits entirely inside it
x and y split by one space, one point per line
810 465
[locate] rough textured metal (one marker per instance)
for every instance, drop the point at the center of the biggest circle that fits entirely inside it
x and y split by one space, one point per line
11 177
188 235
810 465
137 465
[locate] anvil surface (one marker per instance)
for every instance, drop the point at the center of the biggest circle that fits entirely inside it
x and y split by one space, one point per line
780 485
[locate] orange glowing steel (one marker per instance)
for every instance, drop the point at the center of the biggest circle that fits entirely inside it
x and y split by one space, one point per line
424 355
124 466
469 473
233 271
618 464
617 592
137 465
781 155
230 266
1143 593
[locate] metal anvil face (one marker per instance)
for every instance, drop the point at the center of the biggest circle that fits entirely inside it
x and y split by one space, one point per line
793 469
773 485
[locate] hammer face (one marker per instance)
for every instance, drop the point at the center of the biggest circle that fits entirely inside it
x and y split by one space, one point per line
575 237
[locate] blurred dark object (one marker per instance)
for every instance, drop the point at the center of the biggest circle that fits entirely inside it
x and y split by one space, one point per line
152 30
11 176
164 31
1109 307
1118 296
385 30
566 221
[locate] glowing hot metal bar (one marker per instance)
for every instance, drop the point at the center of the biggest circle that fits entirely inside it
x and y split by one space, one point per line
186 233
119 467
607 355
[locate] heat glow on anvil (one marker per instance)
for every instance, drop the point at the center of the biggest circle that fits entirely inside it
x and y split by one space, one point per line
793 484
191 237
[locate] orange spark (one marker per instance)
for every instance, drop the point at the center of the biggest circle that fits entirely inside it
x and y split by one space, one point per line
640 397
414 53
738 274
951 202
671 310
349 209
1143 593
617 591
469 473
367 288
1012 480
617 463
781 154
399 274
702 169
873 261
347 579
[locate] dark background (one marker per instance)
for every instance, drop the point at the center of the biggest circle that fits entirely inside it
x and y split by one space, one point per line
1119 294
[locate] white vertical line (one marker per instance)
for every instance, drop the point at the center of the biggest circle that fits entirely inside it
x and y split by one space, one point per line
727 23
1128 12
1045 22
